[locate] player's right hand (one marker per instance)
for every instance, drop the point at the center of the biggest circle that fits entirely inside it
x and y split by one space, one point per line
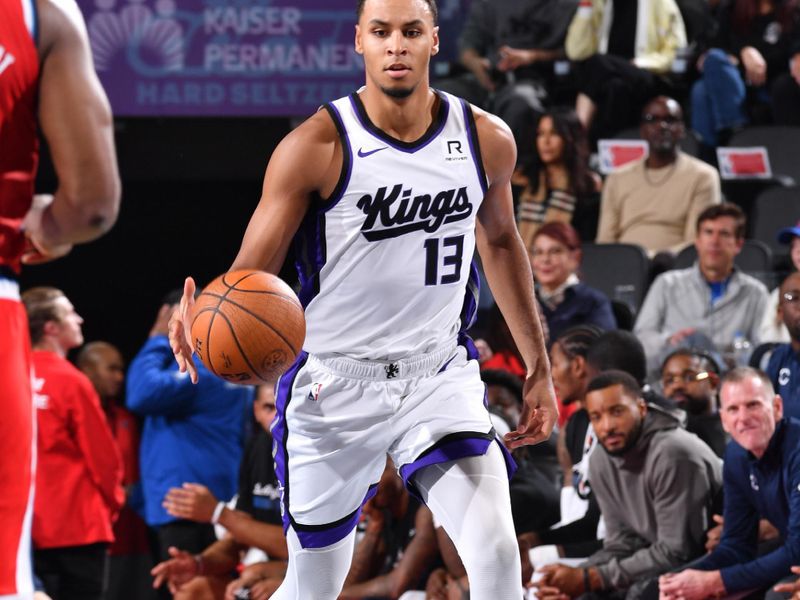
179 569
180 331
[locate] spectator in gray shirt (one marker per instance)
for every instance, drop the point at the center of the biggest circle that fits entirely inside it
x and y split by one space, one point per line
706 305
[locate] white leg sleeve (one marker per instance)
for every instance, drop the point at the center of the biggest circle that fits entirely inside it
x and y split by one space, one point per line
470 498
315 573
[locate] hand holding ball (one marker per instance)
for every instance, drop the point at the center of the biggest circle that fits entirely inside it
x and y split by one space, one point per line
248 327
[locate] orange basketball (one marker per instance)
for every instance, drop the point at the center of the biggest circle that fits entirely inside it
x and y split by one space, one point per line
248 327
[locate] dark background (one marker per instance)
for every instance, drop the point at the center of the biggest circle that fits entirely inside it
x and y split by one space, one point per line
189 187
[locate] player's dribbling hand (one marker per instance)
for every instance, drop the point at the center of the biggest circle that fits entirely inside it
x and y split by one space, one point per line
180 331
539 413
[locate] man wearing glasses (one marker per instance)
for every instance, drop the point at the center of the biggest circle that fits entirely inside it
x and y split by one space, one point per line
690 378
655 202
784 364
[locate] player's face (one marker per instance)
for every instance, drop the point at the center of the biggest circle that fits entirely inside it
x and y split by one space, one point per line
717 244
749 412
107 373
69 334
264 406
549 142
616 418
568 383
689 385
552 262
397 39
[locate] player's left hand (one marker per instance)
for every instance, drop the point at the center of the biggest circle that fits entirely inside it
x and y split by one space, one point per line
192 501
539 412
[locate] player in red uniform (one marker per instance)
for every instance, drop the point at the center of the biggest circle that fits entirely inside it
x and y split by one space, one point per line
46 73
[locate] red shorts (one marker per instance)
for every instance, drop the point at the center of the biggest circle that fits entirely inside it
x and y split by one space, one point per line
17 439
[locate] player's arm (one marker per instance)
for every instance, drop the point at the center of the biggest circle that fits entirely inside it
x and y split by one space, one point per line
307 160
75 117
508 270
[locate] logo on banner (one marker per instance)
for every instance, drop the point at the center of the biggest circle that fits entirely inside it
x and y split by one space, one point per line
616 153
744 163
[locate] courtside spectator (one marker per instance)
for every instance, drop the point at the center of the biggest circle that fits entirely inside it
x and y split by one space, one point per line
690 379
191 433
784 364
619 52
130 558
761 479
708 304
655 484
558 184
79 470
254 523
655 202
555 256
772 328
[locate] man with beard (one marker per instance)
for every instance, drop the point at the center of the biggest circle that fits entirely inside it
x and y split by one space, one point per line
655 202
690 379
655 484
784 364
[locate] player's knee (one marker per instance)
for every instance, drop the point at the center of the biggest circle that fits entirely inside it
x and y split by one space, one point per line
498 547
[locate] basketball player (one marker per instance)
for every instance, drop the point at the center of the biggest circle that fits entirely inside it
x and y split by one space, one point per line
388 191
46 72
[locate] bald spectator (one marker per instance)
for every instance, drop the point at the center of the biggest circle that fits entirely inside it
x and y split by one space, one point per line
655 202
130 559
79 470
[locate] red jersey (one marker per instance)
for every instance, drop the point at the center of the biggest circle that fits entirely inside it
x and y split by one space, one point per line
79 470
19 149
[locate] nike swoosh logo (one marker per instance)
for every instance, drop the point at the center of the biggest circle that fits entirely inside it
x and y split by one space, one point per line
363 154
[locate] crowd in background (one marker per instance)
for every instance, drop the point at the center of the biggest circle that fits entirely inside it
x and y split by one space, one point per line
171 485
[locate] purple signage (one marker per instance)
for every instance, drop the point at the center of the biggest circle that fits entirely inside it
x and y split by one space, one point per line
225 57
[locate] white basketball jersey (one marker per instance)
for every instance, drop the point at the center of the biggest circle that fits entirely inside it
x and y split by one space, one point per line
386 262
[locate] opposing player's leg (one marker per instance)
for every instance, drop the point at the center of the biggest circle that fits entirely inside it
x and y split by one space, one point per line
16 446
470 498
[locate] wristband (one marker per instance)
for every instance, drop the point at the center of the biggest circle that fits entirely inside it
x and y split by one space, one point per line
217 512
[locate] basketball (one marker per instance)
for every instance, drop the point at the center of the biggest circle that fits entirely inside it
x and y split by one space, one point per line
248 327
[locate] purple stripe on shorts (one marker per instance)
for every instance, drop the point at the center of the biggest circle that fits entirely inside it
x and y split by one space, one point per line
320 536
466 341
454 450
280 432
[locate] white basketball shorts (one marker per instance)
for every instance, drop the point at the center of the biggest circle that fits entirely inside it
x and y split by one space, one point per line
339 417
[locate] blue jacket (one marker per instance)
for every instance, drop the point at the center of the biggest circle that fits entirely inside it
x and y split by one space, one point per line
784 371
582 305
192 433
768 488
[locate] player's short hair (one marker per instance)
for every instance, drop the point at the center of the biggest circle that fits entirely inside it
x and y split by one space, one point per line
707 360
619 350
740 374
431 5
40 304
726 209
615 377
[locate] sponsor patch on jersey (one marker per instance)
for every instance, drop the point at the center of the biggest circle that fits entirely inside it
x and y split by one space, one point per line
455 150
